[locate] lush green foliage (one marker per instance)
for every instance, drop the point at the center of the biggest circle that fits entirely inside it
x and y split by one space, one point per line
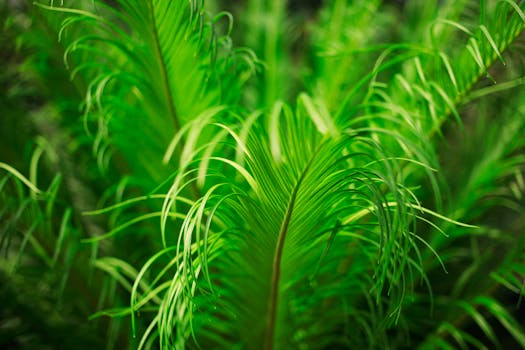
353 178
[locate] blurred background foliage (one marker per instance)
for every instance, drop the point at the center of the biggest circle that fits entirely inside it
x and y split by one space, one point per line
356 60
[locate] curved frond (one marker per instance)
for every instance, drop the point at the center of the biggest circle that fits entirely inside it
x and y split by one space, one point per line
149 67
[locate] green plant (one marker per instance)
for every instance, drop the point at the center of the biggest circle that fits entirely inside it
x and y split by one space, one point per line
352 179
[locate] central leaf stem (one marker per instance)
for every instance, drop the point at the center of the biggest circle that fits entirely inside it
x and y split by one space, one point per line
276 266
163 71
168 93
274 292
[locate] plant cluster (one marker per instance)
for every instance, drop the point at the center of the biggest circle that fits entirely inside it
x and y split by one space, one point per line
181 174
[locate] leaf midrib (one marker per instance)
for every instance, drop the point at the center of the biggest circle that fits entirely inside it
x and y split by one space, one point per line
276 266
166 88
168 93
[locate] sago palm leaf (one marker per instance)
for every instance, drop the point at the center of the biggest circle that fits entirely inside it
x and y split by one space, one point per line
261 259
162 66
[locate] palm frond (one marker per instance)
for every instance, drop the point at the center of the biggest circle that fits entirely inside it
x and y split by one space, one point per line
340 33
437 79
295 198
139 98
